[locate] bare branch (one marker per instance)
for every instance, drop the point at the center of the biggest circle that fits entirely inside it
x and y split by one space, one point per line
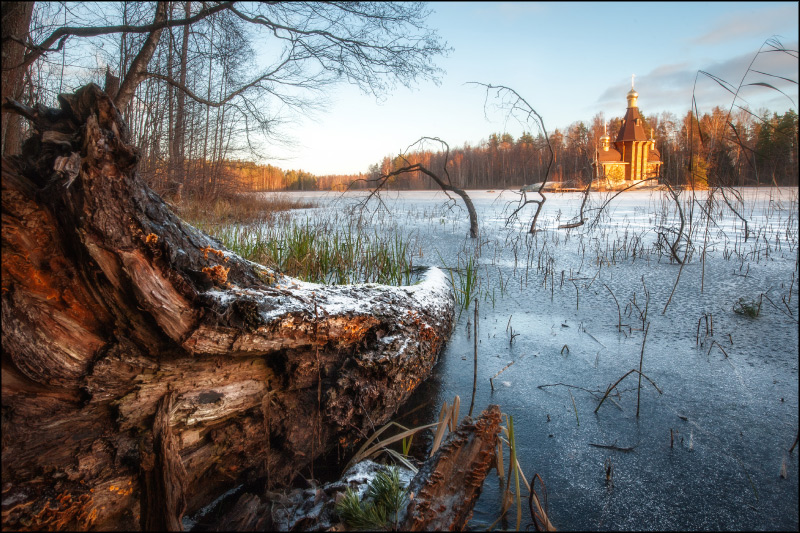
380 181
517 107
63 33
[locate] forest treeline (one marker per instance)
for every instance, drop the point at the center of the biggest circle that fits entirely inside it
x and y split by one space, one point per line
763 153
196 110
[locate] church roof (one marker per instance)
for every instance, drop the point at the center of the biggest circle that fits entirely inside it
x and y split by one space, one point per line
654 155
632 129
611 155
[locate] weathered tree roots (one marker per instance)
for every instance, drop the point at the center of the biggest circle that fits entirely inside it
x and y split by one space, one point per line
146 370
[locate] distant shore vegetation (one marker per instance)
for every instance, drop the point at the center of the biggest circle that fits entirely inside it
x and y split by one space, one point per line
761 151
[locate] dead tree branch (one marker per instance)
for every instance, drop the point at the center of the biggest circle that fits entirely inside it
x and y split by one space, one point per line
516 107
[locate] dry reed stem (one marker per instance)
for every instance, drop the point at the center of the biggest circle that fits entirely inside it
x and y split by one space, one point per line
365 451
475 369
718 346
619 313
491 379
574 407
540 514
499 458
443 418
641 359
628 373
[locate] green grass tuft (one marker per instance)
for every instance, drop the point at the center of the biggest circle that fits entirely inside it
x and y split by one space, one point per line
379 510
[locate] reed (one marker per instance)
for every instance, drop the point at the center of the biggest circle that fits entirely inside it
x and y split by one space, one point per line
368 449
641 360
475 367
311 253
538 511
575 407
464 280
448 420
239 209
508 496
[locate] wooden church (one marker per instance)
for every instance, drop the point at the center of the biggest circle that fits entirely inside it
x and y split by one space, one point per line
632 156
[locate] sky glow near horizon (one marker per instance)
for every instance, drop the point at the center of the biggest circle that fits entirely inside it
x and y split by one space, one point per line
570 61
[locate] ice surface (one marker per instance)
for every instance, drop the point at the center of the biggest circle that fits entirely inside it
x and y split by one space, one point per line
708 451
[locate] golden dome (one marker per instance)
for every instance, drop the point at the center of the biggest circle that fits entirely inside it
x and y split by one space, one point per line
632 96
604 141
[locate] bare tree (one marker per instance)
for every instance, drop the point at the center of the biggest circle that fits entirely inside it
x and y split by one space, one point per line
516 107
311 45
16 18
379 182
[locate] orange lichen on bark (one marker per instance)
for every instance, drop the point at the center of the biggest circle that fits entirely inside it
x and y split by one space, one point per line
19 270
46 282
218 253
151 237
62 513
345 331
218 273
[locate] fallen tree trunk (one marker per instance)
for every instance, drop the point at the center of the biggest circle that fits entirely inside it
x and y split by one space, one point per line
146 369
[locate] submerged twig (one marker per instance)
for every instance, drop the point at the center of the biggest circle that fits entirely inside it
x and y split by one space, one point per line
614 447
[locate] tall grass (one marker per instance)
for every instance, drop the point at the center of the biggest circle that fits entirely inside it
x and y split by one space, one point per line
465 281
316 253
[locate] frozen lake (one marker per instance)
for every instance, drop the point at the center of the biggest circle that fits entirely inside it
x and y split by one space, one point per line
707 453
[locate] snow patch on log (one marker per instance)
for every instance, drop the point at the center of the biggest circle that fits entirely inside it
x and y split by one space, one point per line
307 313
432 292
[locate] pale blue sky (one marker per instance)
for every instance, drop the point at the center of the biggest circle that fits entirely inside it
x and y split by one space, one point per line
570 61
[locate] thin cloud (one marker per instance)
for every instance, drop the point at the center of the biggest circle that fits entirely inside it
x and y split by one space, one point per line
741 25
670 86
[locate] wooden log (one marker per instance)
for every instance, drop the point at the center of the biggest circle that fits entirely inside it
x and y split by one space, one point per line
134 344
445 489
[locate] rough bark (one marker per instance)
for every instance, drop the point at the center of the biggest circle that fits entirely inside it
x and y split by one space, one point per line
16 19
448 485
146 368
